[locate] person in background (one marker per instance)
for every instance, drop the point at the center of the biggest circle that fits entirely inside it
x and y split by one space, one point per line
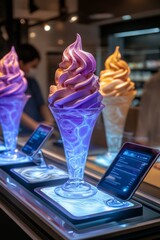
148 127
35 110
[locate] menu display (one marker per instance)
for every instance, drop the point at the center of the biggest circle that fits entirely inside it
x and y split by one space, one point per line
37 139
128 170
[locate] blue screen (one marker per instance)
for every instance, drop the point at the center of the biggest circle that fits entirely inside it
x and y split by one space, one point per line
130 164
128 170
36 140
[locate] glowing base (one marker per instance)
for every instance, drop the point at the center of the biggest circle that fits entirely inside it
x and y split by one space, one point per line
8 157
91 208
76 190
113 202
35 174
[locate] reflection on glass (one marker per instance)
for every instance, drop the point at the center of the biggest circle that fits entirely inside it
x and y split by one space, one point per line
10 114
76 126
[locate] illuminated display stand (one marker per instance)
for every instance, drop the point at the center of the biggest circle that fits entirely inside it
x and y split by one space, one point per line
34 169
114 190
36 172
75 210
67 214
89 209
78 211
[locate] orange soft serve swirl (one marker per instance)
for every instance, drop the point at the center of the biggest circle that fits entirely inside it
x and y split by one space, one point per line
114 79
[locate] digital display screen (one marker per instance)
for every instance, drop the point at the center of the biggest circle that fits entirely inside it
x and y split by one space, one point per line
128 170
37 139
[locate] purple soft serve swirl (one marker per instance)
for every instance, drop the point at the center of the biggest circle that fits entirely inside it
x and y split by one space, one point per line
12 80
77 85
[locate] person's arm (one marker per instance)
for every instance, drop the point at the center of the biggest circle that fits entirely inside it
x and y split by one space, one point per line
43 108
29 122
46 114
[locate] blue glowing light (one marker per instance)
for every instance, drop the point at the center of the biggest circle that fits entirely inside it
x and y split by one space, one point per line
76 126
10 114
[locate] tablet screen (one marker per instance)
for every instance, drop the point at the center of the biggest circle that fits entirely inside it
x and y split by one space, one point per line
128 170
37 139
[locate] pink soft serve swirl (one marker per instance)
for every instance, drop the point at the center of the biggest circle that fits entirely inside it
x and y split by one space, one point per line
77 85
12 80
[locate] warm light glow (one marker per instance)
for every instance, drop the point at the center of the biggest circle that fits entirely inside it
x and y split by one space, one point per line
60 41
73 19
22 21
47 27
59 26
32 35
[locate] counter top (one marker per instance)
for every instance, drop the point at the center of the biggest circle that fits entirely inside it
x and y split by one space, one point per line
40 221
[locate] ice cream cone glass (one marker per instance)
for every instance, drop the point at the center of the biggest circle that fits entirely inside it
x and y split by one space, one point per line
114 117
11 108
76 126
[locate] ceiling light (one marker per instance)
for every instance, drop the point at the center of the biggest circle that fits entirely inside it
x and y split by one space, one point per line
73 19
126 17
22 21
32 35
47 27
137 32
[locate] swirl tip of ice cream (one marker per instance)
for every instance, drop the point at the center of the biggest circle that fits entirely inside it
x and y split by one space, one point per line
12 80
115 78
76 84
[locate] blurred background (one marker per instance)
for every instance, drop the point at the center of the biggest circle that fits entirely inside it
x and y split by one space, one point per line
51 25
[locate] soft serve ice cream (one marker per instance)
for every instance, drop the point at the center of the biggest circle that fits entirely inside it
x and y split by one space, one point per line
12 80
115 78
118 91
76 84
12 97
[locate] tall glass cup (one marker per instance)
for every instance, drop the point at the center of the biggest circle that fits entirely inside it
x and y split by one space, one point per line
11 109
114 117
76 126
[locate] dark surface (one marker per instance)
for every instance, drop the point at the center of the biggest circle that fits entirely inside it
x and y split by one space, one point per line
10 230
